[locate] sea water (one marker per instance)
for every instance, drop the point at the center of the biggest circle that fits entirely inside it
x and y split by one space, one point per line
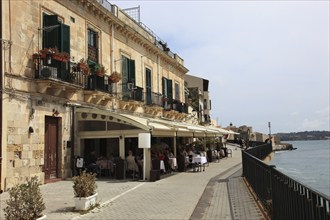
309 163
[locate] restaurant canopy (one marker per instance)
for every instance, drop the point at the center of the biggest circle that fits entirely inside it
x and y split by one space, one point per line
140 123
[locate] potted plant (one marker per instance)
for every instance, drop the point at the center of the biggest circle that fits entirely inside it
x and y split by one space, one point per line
100 70
83 66
25 201
53 53
114 77
84 187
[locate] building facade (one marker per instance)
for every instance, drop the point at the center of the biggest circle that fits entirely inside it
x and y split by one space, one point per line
80 76
199 98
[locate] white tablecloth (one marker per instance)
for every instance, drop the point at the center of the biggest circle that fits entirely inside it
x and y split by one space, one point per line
173 163
200 160
162 165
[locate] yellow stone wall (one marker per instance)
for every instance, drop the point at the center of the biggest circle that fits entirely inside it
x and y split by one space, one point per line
23 152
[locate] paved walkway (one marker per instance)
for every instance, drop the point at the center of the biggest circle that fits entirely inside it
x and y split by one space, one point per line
217 193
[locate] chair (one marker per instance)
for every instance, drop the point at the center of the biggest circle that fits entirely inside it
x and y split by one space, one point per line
191 164
229 152
104 168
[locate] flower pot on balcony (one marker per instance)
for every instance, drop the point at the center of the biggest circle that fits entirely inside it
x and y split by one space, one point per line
82 66
62 57
100 70
114 77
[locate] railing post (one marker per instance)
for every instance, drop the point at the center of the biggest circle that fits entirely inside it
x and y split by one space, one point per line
272 190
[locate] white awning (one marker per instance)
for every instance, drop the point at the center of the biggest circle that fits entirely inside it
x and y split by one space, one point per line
156 126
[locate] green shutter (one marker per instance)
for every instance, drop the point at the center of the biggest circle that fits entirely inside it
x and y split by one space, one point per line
131 73
148 86
50 36
169 89
64 47
65 38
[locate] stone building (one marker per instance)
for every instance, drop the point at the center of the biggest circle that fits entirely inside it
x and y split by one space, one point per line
200 98
80 76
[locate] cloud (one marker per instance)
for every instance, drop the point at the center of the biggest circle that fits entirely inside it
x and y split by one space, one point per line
295 113
320 120
265 60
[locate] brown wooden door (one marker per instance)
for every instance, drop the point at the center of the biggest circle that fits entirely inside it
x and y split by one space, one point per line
51 147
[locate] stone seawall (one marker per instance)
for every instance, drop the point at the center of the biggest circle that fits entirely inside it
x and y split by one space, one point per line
283 146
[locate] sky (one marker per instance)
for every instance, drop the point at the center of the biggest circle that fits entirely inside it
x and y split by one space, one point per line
266 61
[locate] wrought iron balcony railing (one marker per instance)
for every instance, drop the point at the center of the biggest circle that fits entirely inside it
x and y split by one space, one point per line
60 71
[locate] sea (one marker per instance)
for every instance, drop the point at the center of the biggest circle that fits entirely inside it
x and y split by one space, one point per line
309 163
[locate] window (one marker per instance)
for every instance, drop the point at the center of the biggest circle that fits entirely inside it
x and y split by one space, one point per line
55 34
92 45
167 88
148 86
92 38
177 91
128 76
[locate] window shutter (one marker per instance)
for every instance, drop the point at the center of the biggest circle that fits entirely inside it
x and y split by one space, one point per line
65 38
148 86
169 89
131 73
50 36
177 91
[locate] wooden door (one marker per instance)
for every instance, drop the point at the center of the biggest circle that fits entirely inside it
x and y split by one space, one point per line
51 148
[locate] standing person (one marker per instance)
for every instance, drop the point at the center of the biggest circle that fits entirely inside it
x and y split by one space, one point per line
131 164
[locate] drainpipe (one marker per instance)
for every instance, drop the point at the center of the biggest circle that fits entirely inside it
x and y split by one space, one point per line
0 93
73 158
158 63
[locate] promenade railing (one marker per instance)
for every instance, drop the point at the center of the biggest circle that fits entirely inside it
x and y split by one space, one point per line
282 196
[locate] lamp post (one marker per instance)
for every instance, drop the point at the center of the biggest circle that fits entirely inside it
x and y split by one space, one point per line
269 132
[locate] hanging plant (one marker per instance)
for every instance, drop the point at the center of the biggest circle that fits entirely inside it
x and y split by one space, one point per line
82 66
54 53
100 70
164 99
114 77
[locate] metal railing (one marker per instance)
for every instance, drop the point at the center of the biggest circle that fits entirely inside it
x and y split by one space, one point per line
60 71
282 196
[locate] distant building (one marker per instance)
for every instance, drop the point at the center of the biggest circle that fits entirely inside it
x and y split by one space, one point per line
199 97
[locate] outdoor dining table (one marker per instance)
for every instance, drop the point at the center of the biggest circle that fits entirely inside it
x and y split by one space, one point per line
201 160
173 163
162 166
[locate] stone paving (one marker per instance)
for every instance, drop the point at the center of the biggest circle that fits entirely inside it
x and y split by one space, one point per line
217 193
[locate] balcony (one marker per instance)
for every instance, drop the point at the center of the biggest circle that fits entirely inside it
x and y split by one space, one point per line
176 105
57 77
174 109
132 98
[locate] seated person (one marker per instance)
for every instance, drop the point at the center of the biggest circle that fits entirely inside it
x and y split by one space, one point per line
161 156
91 163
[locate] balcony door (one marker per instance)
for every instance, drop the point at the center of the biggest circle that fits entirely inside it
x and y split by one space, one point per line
148 87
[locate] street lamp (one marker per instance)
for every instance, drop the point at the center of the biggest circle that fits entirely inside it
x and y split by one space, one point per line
269 131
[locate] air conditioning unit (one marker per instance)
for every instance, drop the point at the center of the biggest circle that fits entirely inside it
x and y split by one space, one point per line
45 72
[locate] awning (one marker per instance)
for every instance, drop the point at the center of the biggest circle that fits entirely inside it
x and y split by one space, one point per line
156 126
156 129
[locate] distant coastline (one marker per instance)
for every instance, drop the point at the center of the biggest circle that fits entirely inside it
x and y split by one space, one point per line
304 136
